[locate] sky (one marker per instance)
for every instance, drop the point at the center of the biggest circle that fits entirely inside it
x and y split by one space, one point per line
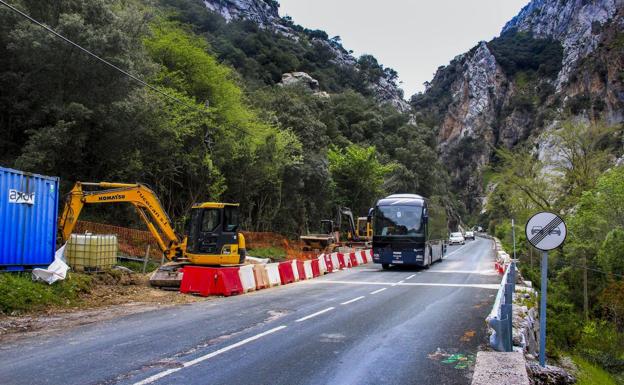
414 37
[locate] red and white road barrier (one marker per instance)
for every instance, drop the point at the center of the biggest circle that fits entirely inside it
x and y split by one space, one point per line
307 268
246 275
295 270
228 281
273 272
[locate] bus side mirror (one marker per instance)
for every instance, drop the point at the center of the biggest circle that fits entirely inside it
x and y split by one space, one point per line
371 211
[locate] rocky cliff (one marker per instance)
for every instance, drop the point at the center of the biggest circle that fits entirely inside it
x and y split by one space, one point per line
555 60
575 23
265 13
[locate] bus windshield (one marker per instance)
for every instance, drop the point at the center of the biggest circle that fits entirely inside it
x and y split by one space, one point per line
398 220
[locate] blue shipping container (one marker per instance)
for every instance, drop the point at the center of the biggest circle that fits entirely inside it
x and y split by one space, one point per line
28 212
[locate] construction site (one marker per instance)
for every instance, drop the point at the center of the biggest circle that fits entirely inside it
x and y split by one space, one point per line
133 269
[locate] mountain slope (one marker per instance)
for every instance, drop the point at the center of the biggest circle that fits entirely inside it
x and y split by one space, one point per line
554 61
286 47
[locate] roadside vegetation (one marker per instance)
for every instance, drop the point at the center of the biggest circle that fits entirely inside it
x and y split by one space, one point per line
586 275
232 135
21 295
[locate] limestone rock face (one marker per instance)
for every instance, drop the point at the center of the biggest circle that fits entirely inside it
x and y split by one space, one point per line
478 106
575 23
263 13
299 79
472 111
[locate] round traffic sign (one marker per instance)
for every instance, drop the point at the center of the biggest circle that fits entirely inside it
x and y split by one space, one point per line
546 231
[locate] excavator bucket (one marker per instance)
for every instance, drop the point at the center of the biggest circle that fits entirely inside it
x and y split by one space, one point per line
168 276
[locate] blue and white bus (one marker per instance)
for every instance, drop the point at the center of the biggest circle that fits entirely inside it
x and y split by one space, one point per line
408 230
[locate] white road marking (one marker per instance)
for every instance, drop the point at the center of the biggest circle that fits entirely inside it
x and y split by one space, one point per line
315 314
480 272
472 285
352 300
401 281
378 290
453 252
196 361
411 276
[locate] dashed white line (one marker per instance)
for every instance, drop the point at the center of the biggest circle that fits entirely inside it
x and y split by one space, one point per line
411 276
352 300
165 373
472 285
401 281
315 314
378 290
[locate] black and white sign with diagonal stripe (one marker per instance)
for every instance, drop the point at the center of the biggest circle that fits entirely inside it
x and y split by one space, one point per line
546 231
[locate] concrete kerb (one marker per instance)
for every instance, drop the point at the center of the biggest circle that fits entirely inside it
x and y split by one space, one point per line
493 367
496 368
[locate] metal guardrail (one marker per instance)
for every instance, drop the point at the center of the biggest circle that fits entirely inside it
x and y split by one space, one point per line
501 316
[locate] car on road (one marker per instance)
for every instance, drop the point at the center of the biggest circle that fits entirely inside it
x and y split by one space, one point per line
457 239
469 235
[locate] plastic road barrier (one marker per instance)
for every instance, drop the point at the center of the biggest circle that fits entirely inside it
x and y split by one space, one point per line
342 263
322 264
199 280
274 275
335 262
301 270
228 281
295 269
286 273
353 259
329 264
316 268
307 268
358 258
261 276
246 274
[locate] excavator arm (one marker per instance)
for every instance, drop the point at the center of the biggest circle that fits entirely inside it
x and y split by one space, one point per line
352 234
143 199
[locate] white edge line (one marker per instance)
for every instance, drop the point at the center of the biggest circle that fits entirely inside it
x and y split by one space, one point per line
165 373
352 300
315 314
379 290
411 276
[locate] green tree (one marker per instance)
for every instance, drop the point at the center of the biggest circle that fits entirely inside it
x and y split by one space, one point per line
358 176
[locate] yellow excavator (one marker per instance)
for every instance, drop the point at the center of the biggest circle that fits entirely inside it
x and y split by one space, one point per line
212 240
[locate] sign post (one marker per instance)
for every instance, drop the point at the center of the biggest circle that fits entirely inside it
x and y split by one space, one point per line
545 231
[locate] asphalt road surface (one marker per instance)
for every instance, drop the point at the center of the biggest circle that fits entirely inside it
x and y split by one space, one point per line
358 326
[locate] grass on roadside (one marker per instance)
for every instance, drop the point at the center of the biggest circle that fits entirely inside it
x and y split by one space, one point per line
137 267
20 294
274 252
590 374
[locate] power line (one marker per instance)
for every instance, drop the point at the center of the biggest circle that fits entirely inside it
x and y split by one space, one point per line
133 77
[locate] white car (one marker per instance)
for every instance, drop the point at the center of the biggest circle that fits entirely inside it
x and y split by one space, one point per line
469 235
456 239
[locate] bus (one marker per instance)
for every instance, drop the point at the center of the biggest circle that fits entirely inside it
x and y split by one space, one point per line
408 230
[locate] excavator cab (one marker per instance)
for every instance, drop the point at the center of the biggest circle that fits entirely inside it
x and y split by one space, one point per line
213 236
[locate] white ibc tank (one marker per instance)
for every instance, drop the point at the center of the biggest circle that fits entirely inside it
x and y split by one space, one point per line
90 252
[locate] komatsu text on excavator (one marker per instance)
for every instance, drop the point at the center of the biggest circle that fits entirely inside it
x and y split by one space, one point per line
213 238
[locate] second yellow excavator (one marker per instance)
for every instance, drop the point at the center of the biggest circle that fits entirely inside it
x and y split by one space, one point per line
212 240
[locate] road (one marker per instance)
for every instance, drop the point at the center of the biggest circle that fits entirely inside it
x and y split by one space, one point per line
358 326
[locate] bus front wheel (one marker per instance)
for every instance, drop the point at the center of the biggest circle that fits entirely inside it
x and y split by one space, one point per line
385 266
